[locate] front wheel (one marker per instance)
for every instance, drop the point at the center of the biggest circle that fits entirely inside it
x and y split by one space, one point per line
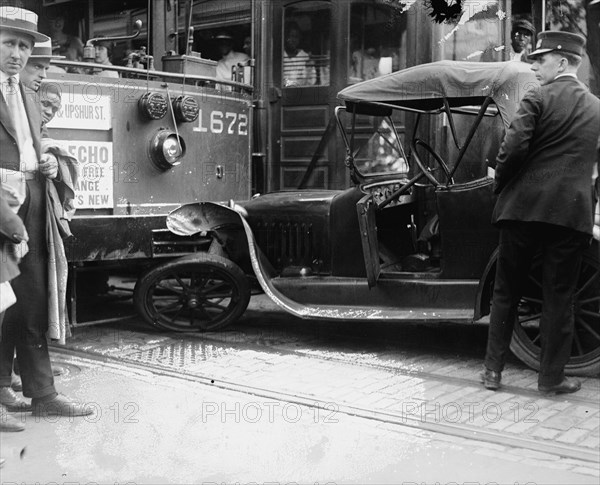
195 293
585 352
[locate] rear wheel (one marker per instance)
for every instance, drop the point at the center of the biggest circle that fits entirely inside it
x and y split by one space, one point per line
195 293
585 352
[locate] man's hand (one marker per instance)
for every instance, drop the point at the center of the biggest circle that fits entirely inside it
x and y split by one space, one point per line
20 249
49 165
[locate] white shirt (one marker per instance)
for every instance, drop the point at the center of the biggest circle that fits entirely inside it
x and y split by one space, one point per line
227 62
296 71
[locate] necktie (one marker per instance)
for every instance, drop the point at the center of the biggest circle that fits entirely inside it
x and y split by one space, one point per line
13 101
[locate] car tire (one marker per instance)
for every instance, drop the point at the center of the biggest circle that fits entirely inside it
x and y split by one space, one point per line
585 354
200 292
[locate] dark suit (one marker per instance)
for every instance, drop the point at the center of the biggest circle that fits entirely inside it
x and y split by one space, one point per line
544 180
26 322
12 231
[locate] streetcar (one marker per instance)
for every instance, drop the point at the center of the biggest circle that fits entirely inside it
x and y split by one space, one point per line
410 239
149 132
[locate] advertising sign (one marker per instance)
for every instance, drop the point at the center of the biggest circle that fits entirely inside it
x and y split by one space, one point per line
83 112
94 188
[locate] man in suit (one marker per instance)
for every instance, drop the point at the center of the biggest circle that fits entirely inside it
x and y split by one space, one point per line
25 323
13 240
36 69
544 178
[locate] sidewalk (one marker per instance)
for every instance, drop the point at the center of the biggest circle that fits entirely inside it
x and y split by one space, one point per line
149 428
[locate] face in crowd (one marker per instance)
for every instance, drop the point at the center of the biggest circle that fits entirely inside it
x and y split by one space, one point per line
547 66
57 25
35 72
521 38
51 104
225 46
292 40
15 50
101 54
247 46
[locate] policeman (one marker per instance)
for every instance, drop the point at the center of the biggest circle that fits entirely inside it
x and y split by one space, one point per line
544 174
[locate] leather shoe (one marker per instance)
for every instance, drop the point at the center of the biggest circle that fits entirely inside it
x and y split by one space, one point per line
491 379
564 387
59 406
16 384
13 402
9 423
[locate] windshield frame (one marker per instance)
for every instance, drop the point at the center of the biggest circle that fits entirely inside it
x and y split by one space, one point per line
485 108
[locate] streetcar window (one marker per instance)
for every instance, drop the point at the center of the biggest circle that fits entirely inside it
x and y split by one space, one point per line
70 28
377 41
209 41
306 45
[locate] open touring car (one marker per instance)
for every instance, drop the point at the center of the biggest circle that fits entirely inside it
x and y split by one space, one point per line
410 240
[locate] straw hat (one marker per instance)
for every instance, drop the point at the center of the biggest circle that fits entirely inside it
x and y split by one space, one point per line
21 21
43 50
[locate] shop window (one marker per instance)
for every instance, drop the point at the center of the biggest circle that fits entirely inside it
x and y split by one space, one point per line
377 41
306 45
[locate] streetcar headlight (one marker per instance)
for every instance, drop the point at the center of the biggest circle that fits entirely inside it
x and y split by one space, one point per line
166 149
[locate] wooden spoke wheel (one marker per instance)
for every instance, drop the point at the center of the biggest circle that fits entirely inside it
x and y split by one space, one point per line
199 292
585 351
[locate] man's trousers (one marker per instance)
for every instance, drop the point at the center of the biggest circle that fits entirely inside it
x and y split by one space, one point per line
561 250
26 322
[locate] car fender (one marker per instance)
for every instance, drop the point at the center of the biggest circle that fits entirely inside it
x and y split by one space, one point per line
226 223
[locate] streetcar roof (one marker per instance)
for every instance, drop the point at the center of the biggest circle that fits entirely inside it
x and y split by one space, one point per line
460 83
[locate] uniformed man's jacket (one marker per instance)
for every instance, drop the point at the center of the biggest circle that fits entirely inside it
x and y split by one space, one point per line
545 165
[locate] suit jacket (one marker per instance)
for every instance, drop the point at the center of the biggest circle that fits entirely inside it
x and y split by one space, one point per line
12 227
545 166
9 154
12 230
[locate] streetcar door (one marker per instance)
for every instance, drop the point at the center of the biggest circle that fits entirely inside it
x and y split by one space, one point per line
301 93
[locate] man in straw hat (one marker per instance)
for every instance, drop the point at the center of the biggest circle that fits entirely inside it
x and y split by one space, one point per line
36 69
26 322
544 177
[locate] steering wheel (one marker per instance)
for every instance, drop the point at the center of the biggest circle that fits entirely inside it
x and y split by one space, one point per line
428 172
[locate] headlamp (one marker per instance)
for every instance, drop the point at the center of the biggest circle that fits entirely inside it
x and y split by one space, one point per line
166 149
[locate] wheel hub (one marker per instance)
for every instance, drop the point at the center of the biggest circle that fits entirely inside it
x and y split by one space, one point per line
193 302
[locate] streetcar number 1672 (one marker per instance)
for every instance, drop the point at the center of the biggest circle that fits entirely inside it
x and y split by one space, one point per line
220 122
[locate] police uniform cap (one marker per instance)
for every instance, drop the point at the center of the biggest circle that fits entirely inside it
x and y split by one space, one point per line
557 41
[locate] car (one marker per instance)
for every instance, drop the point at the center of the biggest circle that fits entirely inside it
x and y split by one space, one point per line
410 239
